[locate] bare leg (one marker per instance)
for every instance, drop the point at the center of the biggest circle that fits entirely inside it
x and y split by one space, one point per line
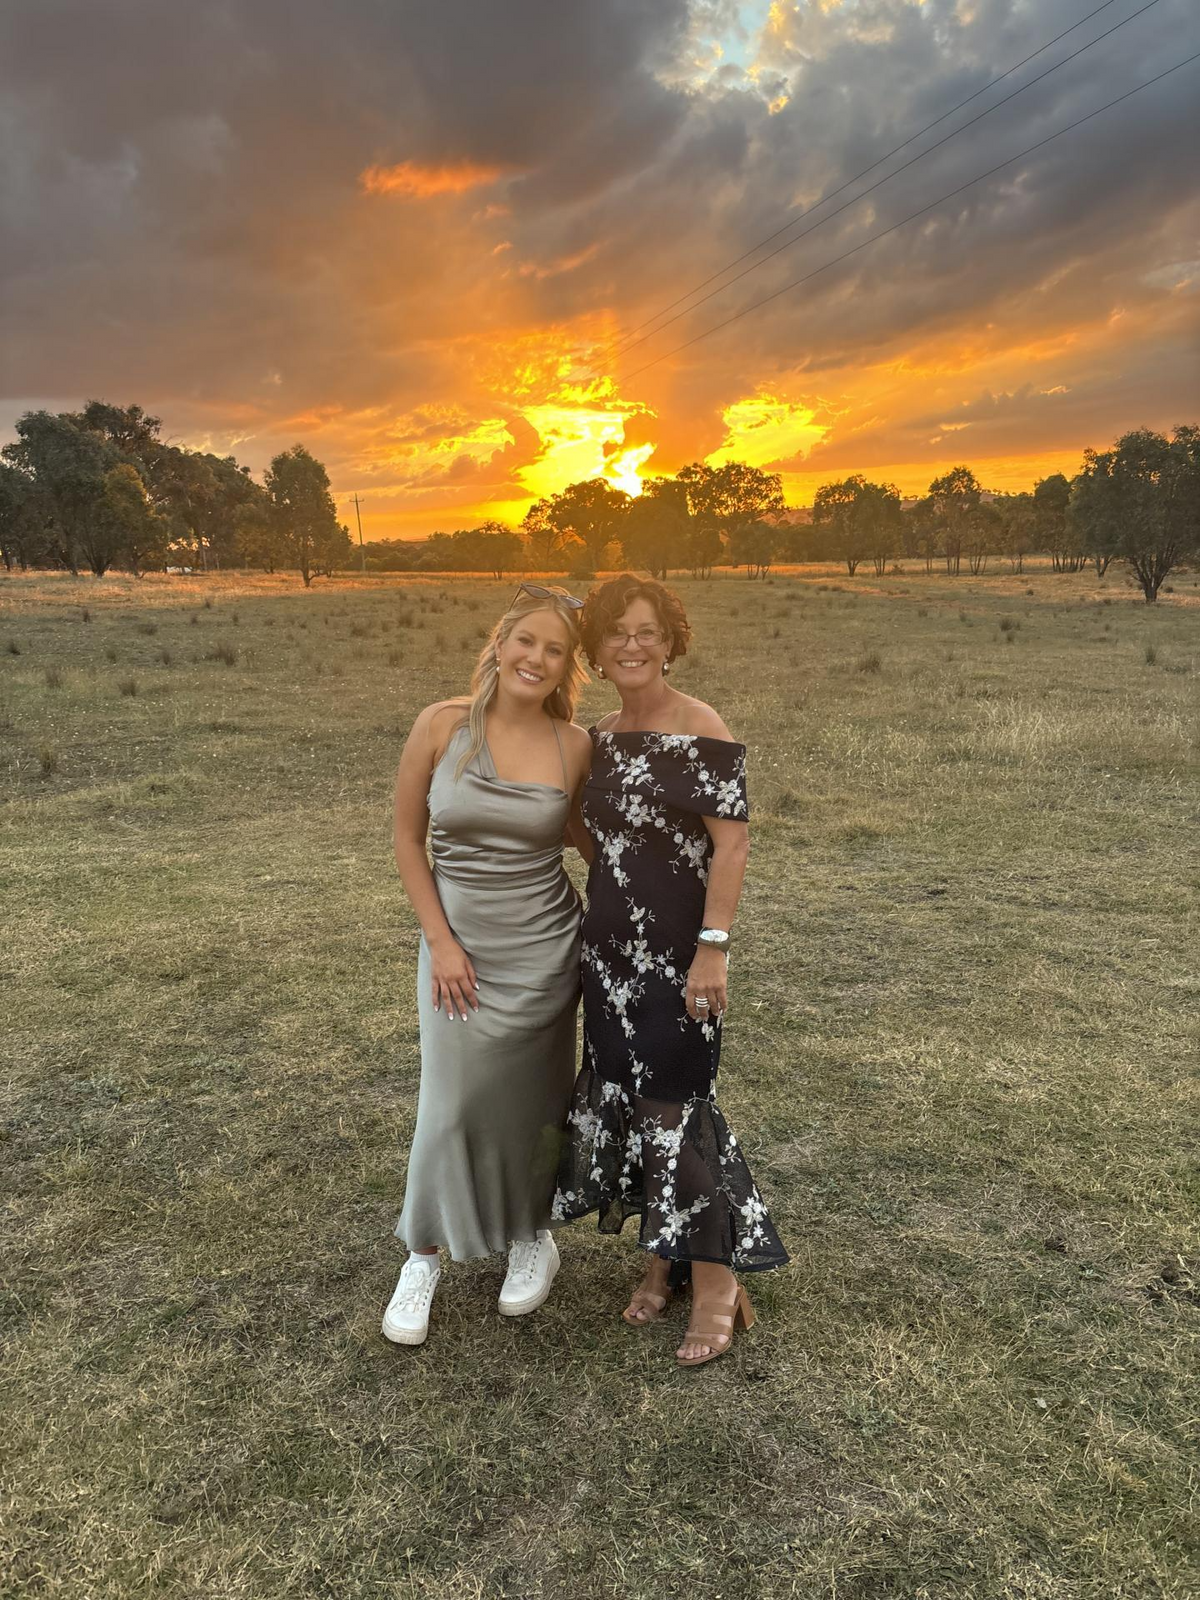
653 1282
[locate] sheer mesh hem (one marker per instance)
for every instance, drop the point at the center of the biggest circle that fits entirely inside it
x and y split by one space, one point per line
677 1167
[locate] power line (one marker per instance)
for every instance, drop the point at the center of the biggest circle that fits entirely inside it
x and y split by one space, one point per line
833 193
879 182
796 282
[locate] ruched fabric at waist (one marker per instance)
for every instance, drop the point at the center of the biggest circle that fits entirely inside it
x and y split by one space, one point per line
493 870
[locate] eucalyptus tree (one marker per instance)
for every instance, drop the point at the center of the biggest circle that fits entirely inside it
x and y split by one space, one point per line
315 542
593 512
730 496
129 523
954 497
66 465
22 529
1141 501
657 526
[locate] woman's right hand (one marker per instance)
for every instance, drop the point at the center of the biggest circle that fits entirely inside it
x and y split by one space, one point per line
453 978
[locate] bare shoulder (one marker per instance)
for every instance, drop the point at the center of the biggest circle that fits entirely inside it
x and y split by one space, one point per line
577 752
700 719
434 725
577 740
454 709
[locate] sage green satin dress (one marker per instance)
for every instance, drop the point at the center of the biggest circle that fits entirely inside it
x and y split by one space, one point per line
494 1089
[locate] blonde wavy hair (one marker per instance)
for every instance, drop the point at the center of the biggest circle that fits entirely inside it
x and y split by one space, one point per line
559 703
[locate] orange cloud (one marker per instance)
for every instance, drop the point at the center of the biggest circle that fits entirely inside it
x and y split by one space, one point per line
412 181
765 430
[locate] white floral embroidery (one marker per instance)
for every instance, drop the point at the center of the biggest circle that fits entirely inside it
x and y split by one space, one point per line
694 850
638 811
634 771
629 1146
612 846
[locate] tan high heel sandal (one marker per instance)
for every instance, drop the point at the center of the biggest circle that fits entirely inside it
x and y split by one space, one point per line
646 1300
709 1323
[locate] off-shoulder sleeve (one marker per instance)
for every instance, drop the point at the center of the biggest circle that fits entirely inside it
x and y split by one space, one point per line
707 776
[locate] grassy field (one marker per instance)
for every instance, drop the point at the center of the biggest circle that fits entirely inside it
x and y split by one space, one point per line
961 1056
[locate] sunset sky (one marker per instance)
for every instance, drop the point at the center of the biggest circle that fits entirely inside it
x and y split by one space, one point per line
414 236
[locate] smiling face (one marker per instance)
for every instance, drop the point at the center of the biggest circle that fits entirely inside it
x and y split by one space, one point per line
534 659
634 662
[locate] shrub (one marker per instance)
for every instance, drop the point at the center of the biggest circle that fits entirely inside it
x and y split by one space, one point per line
14 649
870 661
1007 624
127 686
1151 655
165 657
48 760
53 677
147 627
110 654
85 615
223 652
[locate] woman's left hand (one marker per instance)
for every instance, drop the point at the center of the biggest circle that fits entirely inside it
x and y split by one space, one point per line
708 979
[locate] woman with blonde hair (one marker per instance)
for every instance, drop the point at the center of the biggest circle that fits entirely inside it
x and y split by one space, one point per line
492 779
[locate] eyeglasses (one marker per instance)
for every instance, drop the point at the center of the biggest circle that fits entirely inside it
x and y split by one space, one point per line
646 637
541 593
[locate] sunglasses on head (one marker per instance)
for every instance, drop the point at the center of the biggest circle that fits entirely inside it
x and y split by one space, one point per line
540 592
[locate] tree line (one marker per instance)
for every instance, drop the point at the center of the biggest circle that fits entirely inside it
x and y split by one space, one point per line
100 488
1138 502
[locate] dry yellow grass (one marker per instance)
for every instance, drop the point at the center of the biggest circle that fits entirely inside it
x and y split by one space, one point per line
962 1057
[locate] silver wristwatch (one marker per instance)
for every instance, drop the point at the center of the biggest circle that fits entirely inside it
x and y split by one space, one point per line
716 938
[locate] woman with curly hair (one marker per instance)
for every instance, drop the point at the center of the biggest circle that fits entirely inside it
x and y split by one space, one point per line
491 779
665 804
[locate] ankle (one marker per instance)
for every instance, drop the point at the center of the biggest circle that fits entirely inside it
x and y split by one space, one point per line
713 1278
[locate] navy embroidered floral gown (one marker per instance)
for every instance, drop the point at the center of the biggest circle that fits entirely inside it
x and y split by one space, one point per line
645 1136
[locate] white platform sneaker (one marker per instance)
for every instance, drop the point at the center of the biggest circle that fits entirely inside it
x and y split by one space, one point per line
531 1268
406 1320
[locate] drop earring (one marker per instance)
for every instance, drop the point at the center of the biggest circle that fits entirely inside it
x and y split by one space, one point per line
599 672
666 668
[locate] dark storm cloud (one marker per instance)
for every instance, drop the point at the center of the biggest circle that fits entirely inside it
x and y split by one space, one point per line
1110 193
181 183
185 221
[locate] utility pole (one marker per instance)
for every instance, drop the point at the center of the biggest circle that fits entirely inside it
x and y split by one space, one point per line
362 554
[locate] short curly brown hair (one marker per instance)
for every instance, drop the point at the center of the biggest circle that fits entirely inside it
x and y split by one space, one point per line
612 599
